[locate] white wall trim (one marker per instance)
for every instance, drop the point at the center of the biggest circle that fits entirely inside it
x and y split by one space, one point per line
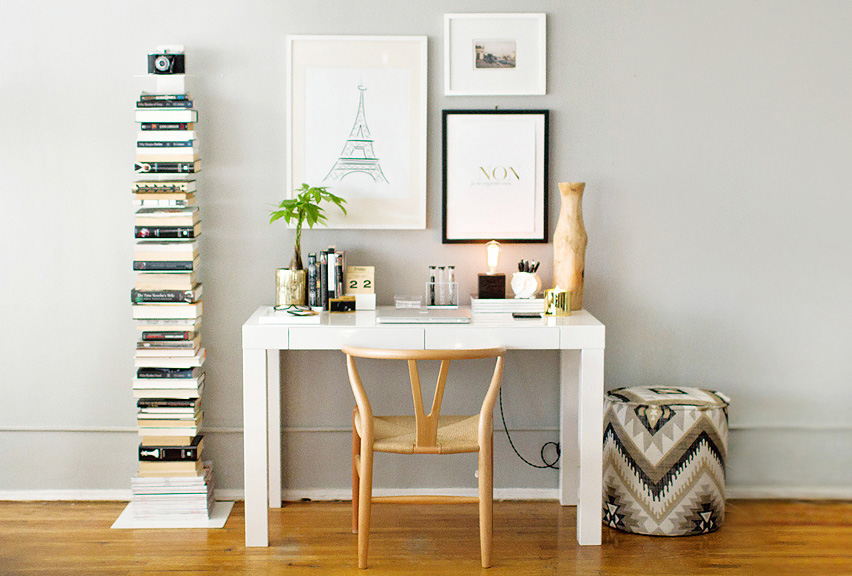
321 494
225 429
789 492
63 495
92 495
787 426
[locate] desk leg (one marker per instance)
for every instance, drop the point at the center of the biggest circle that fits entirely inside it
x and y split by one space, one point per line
569 460
255 447
591 447
273 388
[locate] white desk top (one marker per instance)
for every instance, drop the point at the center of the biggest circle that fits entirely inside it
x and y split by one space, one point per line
580 330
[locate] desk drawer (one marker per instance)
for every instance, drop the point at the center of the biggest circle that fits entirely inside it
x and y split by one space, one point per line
536 338
322 338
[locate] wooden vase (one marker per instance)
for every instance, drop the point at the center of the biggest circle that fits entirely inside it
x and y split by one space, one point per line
569 243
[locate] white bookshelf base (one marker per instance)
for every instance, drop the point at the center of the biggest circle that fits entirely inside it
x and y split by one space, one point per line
218 517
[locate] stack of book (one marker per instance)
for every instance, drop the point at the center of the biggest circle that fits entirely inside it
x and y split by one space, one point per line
326 277
505 305
178 497
167 306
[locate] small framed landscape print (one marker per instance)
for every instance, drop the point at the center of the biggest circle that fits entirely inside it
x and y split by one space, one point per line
495 175
495 54
356 123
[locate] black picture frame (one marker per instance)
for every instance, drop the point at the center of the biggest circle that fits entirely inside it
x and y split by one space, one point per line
505 200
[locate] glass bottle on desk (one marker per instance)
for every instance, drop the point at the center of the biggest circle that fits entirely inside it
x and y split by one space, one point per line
442 286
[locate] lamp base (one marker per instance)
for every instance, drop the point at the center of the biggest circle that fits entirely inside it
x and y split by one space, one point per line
492 286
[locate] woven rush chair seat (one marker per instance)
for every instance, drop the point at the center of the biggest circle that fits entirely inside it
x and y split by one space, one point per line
664 460
397 434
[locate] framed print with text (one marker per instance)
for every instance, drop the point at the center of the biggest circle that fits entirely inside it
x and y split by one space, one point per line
495 54
495 175
356 123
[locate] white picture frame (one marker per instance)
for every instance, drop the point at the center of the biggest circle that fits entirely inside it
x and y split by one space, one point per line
356 123
495 174
517 64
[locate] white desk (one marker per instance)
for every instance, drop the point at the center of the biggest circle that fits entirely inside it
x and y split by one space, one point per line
579 337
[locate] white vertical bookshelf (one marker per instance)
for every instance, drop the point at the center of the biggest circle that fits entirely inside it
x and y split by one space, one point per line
174 484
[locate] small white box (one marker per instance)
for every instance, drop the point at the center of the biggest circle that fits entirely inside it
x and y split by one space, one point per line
365 302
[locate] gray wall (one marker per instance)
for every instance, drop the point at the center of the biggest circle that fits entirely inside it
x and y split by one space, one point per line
715 140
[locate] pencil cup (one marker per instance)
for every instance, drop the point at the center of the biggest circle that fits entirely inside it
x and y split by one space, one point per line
525 284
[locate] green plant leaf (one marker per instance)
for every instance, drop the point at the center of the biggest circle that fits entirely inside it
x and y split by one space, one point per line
306 207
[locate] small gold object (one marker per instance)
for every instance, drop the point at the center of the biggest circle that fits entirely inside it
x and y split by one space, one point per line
557 302
290 287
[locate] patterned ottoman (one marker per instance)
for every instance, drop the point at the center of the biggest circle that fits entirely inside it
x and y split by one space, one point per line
664 460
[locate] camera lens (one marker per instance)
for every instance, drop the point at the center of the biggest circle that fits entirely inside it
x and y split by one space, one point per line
162 63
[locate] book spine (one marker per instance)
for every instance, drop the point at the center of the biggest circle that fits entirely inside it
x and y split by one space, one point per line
164 232
165 167
145 96
312 279
166 125
165 373
164 104
161 187
178 403
166 336
339 274
165 143
157 296
168 454
162 203
164 265
323 295
166 346
332 274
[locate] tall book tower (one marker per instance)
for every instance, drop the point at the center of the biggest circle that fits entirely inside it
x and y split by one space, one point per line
173 482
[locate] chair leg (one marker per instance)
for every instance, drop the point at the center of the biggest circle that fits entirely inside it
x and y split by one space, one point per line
356 450
365 500
486 499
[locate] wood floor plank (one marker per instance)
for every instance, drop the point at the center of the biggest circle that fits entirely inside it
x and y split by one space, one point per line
776 538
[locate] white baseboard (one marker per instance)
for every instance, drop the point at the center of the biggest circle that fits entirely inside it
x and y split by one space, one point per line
789 492
92 495
346 494
61 495
734 492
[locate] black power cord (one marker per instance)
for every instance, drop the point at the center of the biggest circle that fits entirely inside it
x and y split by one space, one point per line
543 447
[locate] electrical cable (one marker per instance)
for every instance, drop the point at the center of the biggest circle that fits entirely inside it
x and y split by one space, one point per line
543 447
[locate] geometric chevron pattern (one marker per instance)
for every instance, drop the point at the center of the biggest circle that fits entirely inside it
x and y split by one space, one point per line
664 460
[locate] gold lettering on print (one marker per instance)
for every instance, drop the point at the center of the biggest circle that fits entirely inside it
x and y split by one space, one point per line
499 174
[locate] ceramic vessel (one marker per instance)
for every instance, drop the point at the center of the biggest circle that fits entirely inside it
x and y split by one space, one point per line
569 243
525 284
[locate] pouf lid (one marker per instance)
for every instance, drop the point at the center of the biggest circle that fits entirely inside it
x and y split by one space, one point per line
668 396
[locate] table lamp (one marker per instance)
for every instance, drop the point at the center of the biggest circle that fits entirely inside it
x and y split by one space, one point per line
492 284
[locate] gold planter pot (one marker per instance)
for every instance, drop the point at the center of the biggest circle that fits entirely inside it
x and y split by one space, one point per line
290 287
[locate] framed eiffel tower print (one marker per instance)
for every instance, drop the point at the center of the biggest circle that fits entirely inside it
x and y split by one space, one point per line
356 123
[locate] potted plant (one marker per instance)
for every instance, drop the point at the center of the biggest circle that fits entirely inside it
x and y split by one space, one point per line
305 207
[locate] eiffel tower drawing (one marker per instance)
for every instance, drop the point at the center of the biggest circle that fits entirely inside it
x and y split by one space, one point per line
357 154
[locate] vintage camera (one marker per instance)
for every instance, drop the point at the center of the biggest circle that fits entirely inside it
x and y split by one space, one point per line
165 63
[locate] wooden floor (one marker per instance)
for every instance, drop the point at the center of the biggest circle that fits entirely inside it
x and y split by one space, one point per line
758 537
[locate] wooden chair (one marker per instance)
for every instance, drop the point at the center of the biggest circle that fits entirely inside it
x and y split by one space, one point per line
421 434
